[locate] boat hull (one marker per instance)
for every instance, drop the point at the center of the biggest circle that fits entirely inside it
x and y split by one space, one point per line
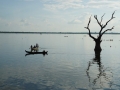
43 52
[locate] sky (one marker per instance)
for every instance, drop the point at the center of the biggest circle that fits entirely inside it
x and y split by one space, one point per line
57 15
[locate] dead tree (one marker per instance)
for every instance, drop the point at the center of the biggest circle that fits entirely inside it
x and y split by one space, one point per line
101 32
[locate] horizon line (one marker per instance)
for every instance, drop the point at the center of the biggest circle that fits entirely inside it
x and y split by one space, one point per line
56 32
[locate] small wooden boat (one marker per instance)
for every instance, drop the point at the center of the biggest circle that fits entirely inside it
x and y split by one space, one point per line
43 52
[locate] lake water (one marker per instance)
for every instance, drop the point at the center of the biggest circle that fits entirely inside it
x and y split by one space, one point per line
71 63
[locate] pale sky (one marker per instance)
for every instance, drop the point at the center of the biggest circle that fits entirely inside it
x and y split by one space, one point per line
57 15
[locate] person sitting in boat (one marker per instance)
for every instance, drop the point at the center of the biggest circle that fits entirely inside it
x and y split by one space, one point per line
34 46
35 49
31 48
37 45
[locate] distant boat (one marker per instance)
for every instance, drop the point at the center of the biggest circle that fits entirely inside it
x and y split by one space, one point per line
43 52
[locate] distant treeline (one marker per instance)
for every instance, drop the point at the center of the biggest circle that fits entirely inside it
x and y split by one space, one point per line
54 32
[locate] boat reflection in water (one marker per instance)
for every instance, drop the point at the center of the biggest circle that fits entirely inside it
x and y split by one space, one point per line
103 75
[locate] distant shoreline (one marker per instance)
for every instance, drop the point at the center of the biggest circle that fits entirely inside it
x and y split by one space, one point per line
54 32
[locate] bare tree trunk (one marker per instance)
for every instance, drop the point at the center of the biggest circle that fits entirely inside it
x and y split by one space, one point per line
97 45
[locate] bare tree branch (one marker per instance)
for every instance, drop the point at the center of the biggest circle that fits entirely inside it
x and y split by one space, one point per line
100 22
95 16
101 25
109 20
102 18
89 29
107 30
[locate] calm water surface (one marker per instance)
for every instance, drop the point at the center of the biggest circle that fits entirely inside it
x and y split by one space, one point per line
71 63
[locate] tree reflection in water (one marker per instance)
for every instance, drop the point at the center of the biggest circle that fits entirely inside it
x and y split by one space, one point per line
104 76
